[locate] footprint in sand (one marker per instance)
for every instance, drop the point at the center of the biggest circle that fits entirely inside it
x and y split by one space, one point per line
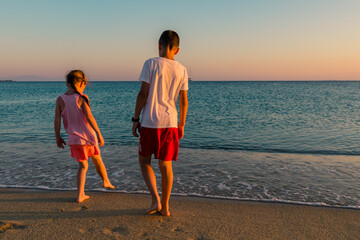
7 225
145 236
121 230
82 208
116 231
177 229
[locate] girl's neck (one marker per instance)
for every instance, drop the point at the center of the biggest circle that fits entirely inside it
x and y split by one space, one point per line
70 91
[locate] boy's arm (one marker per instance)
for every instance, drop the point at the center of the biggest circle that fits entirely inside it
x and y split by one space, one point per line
140 102
183 112
91 120
57 124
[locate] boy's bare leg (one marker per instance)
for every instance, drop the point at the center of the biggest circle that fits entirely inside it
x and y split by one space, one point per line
166 182
80 179
150 180
101 170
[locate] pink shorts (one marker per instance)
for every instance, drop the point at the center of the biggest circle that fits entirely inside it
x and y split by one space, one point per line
83 152
162 142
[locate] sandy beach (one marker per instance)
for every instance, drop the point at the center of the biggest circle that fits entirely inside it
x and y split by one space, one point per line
38 214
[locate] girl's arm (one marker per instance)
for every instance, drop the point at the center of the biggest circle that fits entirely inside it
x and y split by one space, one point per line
183 112
57 124
90 118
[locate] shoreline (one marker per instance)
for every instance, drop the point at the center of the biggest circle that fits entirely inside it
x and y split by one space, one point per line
35 214
102 190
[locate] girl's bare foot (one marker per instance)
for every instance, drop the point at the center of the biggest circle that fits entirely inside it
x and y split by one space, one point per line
82 198
107 184
155 206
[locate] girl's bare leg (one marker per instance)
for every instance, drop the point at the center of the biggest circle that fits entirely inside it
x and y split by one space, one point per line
80 179
166 182
101 170
150 180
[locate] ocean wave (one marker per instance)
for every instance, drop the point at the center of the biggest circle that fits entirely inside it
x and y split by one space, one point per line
13 138
274 150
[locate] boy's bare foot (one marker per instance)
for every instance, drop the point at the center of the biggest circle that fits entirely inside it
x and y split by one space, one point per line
107 184
82 198
164 212
155 206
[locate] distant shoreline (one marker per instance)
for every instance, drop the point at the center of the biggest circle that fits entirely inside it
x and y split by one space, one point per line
7 81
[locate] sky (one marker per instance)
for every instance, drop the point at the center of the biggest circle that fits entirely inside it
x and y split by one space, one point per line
219 40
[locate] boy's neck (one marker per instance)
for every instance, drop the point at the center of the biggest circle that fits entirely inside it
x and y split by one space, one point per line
168 56
167 53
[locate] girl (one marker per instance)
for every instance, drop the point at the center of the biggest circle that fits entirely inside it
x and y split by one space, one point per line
84 136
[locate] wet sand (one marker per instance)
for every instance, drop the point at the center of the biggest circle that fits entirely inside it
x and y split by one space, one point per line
38 214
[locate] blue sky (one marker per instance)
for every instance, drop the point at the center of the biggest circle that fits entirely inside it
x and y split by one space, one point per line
220 40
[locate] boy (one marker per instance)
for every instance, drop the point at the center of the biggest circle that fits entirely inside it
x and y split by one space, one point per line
163 80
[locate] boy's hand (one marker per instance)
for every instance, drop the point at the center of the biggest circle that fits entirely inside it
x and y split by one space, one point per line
181 131
101 140
136 125
60 142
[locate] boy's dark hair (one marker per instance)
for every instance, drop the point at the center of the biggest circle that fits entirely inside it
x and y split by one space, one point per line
169 38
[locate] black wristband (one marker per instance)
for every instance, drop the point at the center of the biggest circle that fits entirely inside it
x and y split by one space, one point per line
135 119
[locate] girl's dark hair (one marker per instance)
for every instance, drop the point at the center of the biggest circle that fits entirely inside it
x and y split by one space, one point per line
169 38
71 79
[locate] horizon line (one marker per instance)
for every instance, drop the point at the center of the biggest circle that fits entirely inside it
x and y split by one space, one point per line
313 80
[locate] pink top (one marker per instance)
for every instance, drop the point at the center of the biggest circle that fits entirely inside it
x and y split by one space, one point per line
75 123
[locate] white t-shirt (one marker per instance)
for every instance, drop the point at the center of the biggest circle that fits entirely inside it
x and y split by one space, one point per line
166 78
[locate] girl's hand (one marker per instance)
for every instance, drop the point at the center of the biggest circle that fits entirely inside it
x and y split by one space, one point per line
101 140
60 142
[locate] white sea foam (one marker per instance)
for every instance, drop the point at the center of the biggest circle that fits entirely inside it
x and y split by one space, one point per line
247 185
238 175
222 186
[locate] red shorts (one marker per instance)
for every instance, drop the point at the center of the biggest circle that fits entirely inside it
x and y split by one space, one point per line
162 142
83 152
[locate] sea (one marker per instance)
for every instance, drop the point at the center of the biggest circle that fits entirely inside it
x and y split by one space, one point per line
273 141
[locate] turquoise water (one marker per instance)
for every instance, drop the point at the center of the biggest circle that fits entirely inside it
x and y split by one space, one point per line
272 141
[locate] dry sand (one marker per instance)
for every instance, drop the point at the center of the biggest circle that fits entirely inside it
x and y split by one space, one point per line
37 214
